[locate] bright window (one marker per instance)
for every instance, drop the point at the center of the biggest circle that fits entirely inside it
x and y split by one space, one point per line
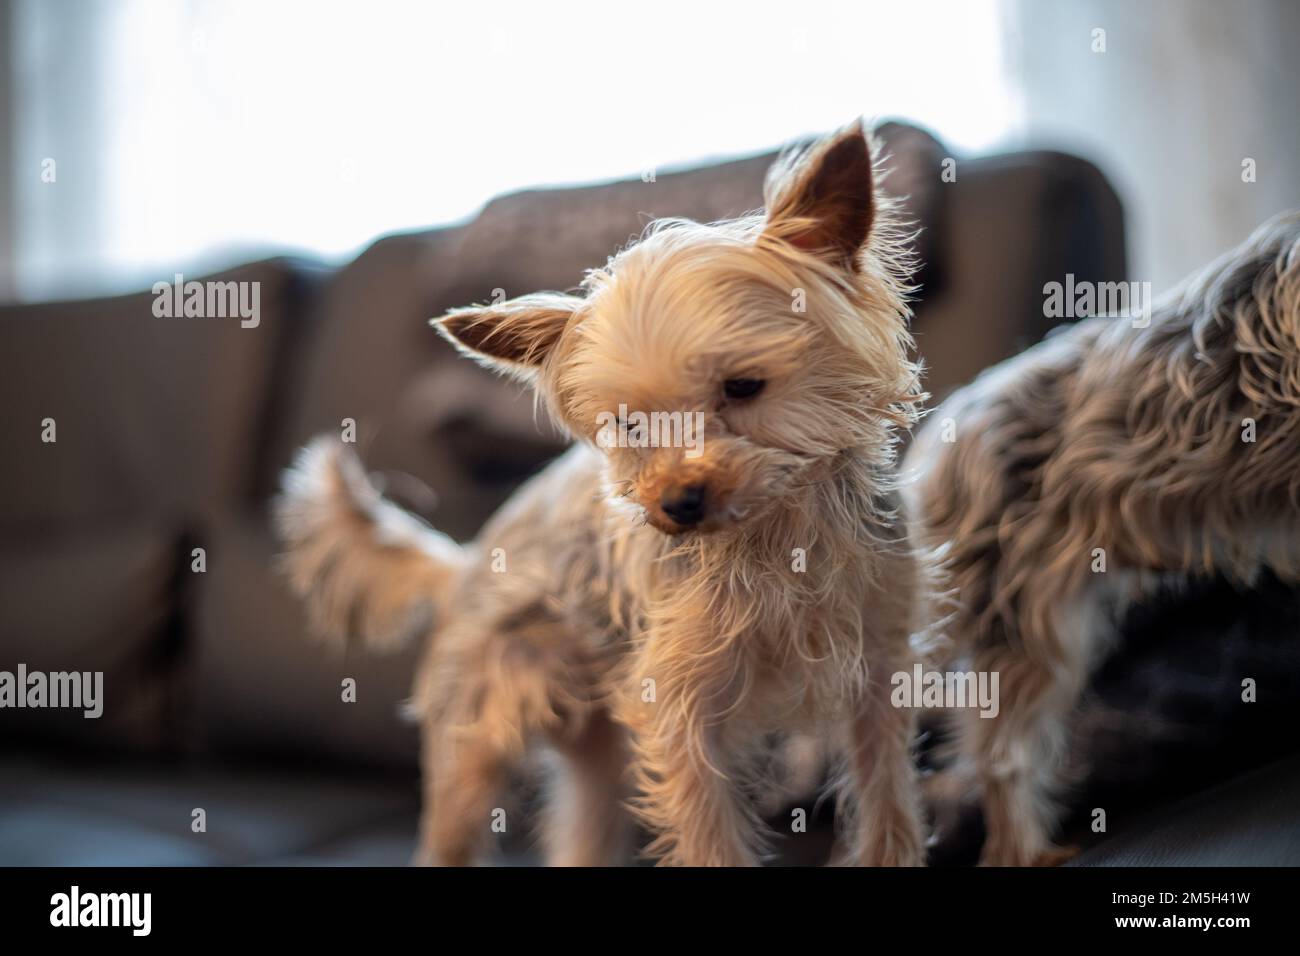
200 133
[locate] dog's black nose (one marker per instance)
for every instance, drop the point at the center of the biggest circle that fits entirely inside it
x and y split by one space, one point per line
684 505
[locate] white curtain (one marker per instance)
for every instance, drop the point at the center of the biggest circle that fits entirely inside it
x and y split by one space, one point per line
1185 92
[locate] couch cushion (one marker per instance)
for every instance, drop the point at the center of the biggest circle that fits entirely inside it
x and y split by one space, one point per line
53 813
94 600
1166 713
370 344
95 814
1251 820
264 685
152 415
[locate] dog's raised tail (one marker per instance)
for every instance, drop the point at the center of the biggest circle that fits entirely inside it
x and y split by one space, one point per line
365 568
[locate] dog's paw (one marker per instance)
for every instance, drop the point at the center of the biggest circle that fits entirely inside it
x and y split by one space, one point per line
904 847
1020 856
1056 855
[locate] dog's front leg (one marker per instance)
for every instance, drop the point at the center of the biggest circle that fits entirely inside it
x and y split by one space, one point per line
879 795
688 793
697 813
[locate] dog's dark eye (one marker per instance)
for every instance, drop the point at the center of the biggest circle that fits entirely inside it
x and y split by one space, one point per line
742 387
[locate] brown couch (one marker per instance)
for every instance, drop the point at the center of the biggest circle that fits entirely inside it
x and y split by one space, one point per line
171 433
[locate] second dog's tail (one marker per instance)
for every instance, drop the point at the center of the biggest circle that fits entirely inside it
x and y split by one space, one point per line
366 568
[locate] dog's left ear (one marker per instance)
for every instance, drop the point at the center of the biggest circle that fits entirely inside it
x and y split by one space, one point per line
823 200
514 336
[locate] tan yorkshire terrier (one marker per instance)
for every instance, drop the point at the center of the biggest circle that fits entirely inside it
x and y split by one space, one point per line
1115 456
719 558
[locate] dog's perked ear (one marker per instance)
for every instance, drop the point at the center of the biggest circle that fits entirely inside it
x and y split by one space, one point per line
822 200
515 336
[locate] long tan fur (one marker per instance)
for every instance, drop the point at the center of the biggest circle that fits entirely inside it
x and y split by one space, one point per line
365 566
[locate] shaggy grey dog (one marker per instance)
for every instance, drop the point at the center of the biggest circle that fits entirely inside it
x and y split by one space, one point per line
1071 479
